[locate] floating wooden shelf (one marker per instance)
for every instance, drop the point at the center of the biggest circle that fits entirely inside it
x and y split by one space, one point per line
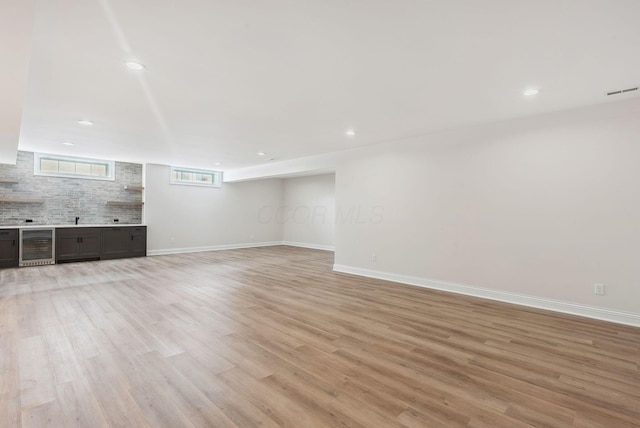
134 188
8 180
125 203
22 200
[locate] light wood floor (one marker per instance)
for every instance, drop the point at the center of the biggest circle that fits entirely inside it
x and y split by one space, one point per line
272 337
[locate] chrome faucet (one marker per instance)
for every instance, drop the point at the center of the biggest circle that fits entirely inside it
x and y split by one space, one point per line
77 218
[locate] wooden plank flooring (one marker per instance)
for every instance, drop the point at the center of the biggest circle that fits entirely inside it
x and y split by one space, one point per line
272 337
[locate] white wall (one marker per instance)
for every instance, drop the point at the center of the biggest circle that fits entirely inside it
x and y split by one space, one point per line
308 211
16 27
541 207
189 218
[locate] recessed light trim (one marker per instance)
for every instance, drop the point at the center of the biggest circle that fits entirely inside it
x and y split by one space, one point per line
85 122
350 132
134 65
67 143
217 163
531 92
261 153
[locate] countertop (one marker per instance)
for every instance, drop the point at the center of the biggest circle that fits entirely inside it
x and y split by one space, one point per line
61 226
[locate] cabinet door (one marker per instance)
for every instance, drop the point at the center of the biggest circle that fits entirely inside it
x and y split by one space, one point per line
90 243
8 248
115 242
81 243
138 242
67 244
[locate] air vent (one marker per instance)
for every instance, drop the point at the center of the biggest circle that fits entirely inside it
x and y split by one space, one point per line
37 263
622 91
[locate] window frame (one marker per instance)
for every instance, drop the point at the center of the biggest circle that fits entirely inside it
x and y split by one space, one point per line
216 177
109 165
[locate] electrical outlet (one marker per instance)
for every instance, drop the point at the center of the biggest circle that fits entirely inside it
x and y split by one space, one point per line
598 289
373 258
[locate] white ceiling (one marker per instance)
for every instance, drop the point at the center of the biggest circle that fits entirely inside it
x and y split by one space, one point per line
226 79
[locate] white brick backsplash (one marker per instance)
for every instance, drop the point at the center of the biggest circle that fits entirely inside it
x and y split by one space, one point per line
66 198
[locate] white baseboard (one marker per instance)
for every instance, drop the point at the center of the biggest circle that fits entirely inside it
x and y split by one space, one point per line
235 247
620 317
211 248
312 246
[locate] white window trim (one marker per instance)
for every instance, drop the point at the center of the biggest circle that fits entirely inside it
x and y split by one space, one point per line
217 177
111 167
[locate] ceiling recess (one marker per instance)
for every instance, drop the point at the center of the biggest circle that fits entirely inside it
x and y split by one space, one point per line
622 91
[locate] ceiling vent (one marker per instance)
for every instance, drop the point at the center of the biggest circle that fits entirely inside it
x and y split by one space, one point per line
622 91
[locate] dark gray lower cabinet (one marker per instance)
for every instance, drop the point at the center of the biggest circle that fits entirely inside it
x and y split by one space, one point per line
115 242
8 248
77 244
138 241
121 242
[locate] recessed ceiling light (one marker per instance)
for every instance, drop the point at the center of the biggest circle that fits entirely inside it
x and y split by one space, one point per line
134 65
530 92
261 153
85 122
67 143
217 163
350 132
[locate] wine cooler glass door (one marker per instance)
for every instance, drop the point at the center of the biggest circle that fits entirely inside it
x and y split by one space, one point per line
37 246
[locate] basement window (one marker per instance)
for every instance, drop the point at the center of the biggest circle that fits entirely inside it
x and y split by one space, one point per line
72 167
195 177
